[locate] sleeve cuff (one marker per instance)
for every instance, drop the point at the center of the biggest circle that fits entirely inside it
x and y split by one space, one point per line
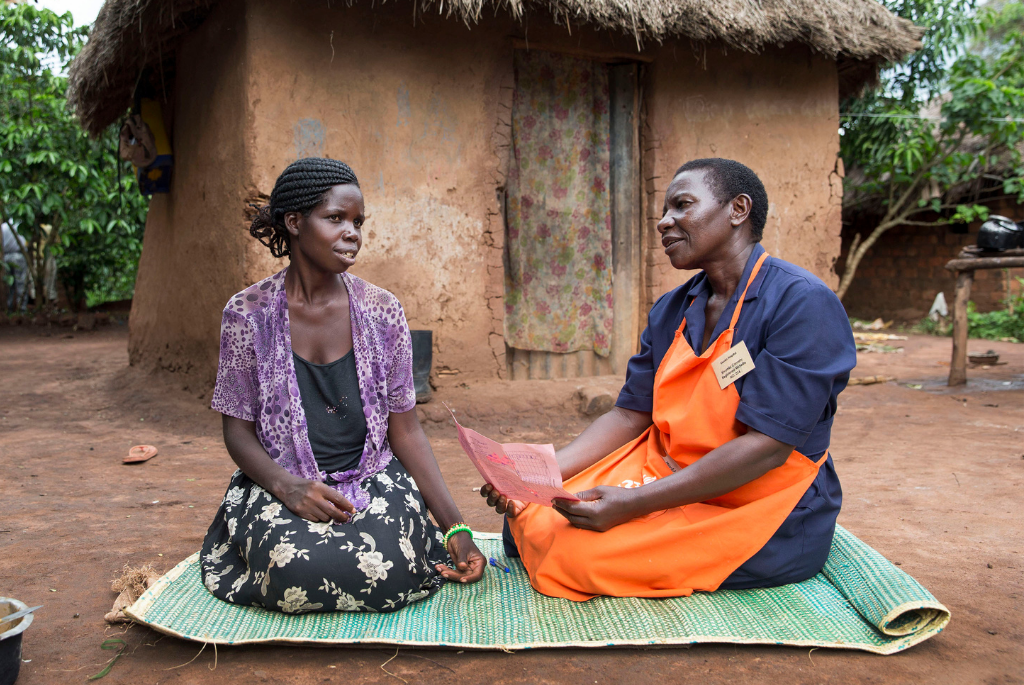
234 412
635 402
770 427
402 405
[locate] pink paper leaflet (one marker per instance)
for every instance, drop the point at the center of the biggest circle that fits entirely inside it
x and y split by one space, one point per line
523 472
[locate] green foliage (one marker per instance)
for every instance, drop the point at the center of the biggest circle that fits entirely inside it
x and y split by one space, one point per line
933 144
929 327
997 20
62 192
1000 324
911 160
922 75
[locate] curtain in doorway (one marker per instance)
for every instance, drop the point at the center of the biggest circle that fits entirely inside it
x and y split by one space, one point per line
558 277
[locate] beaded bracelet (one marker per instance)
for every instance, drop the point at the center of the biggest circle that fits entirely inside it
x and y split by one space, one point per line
457 528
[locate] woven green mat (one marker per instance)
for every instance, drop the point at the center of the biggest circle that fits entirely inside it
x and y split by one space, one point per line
858 601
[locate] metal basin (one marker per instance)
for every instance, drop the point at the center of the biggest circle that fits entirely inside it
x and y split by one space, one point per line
10 640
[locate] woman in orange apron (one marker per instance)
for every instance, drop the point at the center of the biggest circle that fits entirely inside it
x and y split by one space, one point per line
712 470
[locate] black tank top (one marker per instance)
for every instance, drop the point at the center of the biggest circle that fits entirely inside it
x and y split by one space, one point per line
334 411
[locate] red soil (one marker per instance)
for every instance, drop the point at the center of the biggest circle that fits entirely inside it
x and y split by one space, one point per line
932 479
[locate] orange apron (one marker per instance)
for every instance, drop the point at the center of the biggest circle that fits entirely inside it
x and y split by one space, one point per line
667 553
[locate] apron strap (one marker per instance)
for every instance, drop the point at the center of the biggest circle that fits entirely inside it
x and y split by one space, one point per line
743 295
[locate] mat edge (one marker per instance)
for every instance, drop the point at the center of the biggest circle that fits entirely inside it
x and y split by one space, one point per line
886 650
933 627
137 611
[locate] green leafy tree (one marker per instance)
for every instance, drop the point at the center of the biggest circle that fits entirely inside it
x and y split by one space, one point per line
98 256
69 199
999 19
933 143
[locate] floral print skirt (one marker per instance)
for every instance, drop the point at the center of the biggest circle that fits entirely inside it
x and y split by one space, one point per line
258 553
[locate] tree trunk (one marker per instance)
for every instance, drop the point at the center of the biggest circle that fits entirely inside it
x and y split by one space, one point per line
3 275
857 253
38 265
38 254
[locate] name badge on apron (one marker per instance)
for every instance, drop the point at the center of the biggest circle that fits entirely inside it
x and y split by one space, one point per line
732 365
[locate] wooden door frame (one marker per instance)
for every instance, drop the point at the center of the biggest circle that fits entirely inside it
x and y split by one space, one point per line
627 216
624 177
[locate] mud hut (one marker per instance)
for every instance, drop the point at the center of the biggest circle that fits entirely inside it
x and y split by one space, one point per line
431 103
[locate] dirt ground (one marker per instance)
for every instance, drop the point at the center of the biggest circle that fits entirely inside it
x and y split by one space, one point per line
932 478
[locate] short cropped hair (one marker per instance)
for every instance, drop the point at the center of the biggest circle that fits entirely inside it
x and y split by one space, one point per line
729 179
299 188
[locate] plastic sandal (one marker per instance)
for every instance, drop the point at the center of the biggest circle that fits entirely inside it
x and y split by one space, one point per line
139 454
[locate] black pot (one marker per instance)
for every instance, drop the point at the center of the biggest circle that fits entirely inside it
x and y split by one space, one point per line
1000 233
10 640
422 360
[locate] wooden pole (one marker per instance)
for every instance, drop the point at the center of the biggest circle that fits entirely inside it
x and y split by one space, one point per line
974 251
985 263
958 364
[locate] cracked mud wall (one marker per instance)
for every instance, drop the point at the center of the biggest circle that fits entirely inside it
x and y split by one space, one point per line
778 113
421 112
193 253
413 111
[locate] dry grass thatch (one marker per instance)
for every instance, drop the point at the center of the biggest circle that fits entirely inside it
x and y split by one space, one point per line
129 585
860 34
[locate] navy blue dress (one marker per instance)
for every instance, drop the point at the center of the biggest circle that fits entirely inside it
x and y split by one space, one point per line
800 339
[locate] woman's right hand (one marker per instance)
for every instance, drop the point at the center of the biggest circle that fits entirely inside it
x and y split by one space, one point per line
315 501
312 500
501 504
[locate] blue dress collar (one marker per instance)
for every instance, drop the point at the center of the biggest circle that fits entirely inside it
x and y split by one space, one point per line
701 291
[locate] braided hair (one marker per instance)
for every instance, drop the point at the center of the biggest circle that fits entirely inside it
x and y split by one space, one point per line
299 188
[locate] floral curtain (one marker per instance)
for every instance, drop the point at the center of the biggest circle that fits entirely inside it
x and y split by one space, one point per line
558 280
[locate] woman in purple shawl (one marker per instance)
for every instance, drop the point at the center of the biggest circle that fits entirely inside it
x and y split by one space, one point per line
315 385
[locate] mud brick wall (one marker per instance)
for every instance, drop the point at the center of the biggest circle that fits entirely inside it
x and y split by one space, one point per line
421 112
904 271
784 127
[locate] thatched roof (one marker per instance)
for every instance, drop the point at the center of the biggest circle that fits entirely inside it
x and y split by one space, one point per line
861 35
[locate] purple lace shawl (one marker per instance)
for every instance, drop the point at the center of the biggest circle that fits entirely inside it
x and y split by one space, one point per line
256 376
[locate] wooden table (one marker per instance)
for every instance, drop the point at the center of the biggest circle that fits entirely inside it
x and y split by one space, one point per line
966 263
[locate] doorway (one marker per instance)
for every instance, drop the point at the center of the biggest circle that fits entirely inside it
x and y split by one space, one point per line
572 218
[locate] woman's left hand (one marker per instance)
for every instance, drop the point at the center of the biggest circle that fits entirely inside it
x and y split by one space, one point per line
469 561
600 508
